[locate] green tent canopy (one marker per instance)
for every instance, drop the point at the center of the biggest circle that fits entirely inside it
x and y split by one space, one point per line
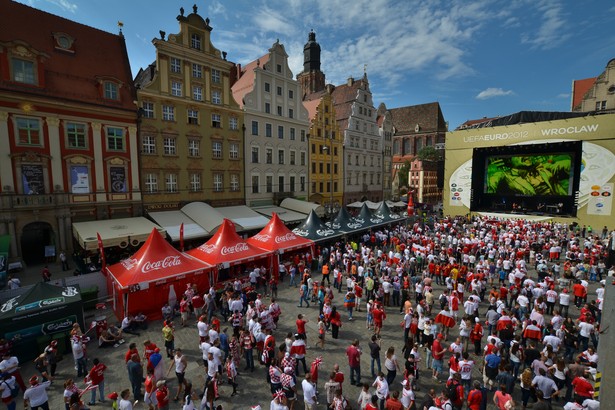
35 317
5 243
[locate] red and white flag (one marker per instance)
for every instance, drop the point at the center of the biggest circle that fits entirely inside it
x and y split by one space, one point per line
181 237
101 250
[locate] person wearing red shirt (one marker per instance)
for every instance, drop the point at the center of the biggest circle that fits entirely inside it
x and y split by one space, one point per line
301 326
197 303
353 352
579 293
475 397
339 376
374 404
132 349
150 390
97 378
162 394
393 402
378 315
149 349
582 387
437 351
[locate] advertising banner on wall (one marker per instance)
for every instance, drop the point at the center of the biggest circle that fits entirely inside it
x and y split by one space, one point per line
79 179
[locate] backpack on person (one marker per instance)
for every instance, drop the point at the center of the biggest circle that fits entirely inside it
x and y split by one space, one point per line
451 389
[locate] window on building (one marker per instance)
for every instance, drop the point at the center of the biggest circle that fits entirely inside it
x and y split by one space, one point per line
255 155
313 186
195 41
281 156
76 135
322 187
313 167
328 186
197 93
216 147
280 131
293 155
279 91
291 184
254 127
302 183
169 145
176 65
600 105
302 135
291 113
292 134
234 182
115 139
23 71
280 110
111 91
197 71
278 68
168 113
291 94
407 147
233 123
149 144
321 167
171 183
334 169
216 121
216 77
195 182
281 183
267 108
216 97
193 117
148 110
176 88
303 158
268 131
194 147
269 183
267 87
218 182
255 182
313 148
328 168
233 150
269 155
151 183
349 180
28 130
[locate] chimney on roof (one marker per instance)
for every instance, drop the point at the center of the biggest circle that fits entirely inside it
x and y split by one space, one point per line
350 81
330 88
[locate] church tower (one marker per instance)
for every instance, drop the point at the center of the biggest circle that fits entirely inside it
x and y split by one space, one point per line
311 79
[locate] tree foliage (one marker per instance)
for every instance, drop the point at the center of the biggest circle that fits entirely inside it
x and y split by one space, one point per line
428 153
403 174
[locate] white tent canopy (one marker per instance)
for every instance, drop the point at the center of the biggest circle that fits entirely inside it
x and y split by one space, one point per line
357 204
245 217
303 207
114 232
208 217
172 220
286 215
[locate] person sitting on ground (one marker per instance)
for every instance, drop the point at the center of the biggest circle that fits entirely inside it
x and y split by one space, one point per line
130 326
114 331
141 320
106 339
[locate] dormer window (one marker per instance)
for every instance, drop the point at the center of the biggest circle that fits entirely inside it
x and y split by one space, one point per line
111 91
64 42
195 41
23 71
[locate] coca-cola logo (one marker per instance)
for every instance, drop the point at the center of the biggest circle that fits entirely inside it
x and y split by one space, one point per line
285 238
129 263
167 262
207 248
262 238
239 247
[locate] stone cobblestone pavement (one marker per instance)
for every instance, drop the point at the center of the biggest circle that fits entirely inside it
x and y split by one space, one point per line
253 388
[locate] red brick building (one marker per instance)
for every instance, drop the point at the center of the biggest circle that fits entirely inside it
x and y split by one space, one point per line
68 129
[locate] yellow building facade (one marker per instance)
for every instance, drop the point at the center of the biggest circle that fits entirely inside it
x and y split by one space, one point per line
191 129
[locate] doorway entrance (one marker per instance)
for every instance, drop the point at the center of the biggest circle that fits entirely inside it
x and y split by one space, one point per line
35 237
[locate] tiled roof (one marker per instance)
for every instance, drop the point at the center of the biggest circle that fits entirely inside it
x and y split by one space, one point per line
70 76
580 88
428 116
245 83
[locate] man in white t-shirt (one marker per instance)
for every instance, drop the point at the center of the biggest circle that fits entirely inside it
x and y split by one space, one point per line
309 392
35 396
465 371
564 302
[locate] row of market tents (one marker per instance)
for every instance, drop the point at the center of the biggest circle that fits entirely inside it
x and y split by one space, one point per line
160 272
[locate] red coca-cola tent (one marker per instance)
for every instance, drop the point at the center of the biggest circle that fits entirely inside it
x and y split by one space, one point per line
277 238
154 274
227 249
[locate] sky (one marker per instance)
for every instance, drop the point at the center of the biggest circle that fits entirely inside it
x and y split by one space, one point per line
477 58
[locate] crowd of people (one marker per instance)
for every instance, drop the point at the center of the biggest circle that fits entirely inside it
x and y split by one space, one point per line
489 311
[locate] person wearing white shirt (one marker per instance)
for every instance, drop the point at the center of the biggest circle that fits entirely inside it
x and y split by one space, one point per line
205 346
564 302
309 392
382 388
35 396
